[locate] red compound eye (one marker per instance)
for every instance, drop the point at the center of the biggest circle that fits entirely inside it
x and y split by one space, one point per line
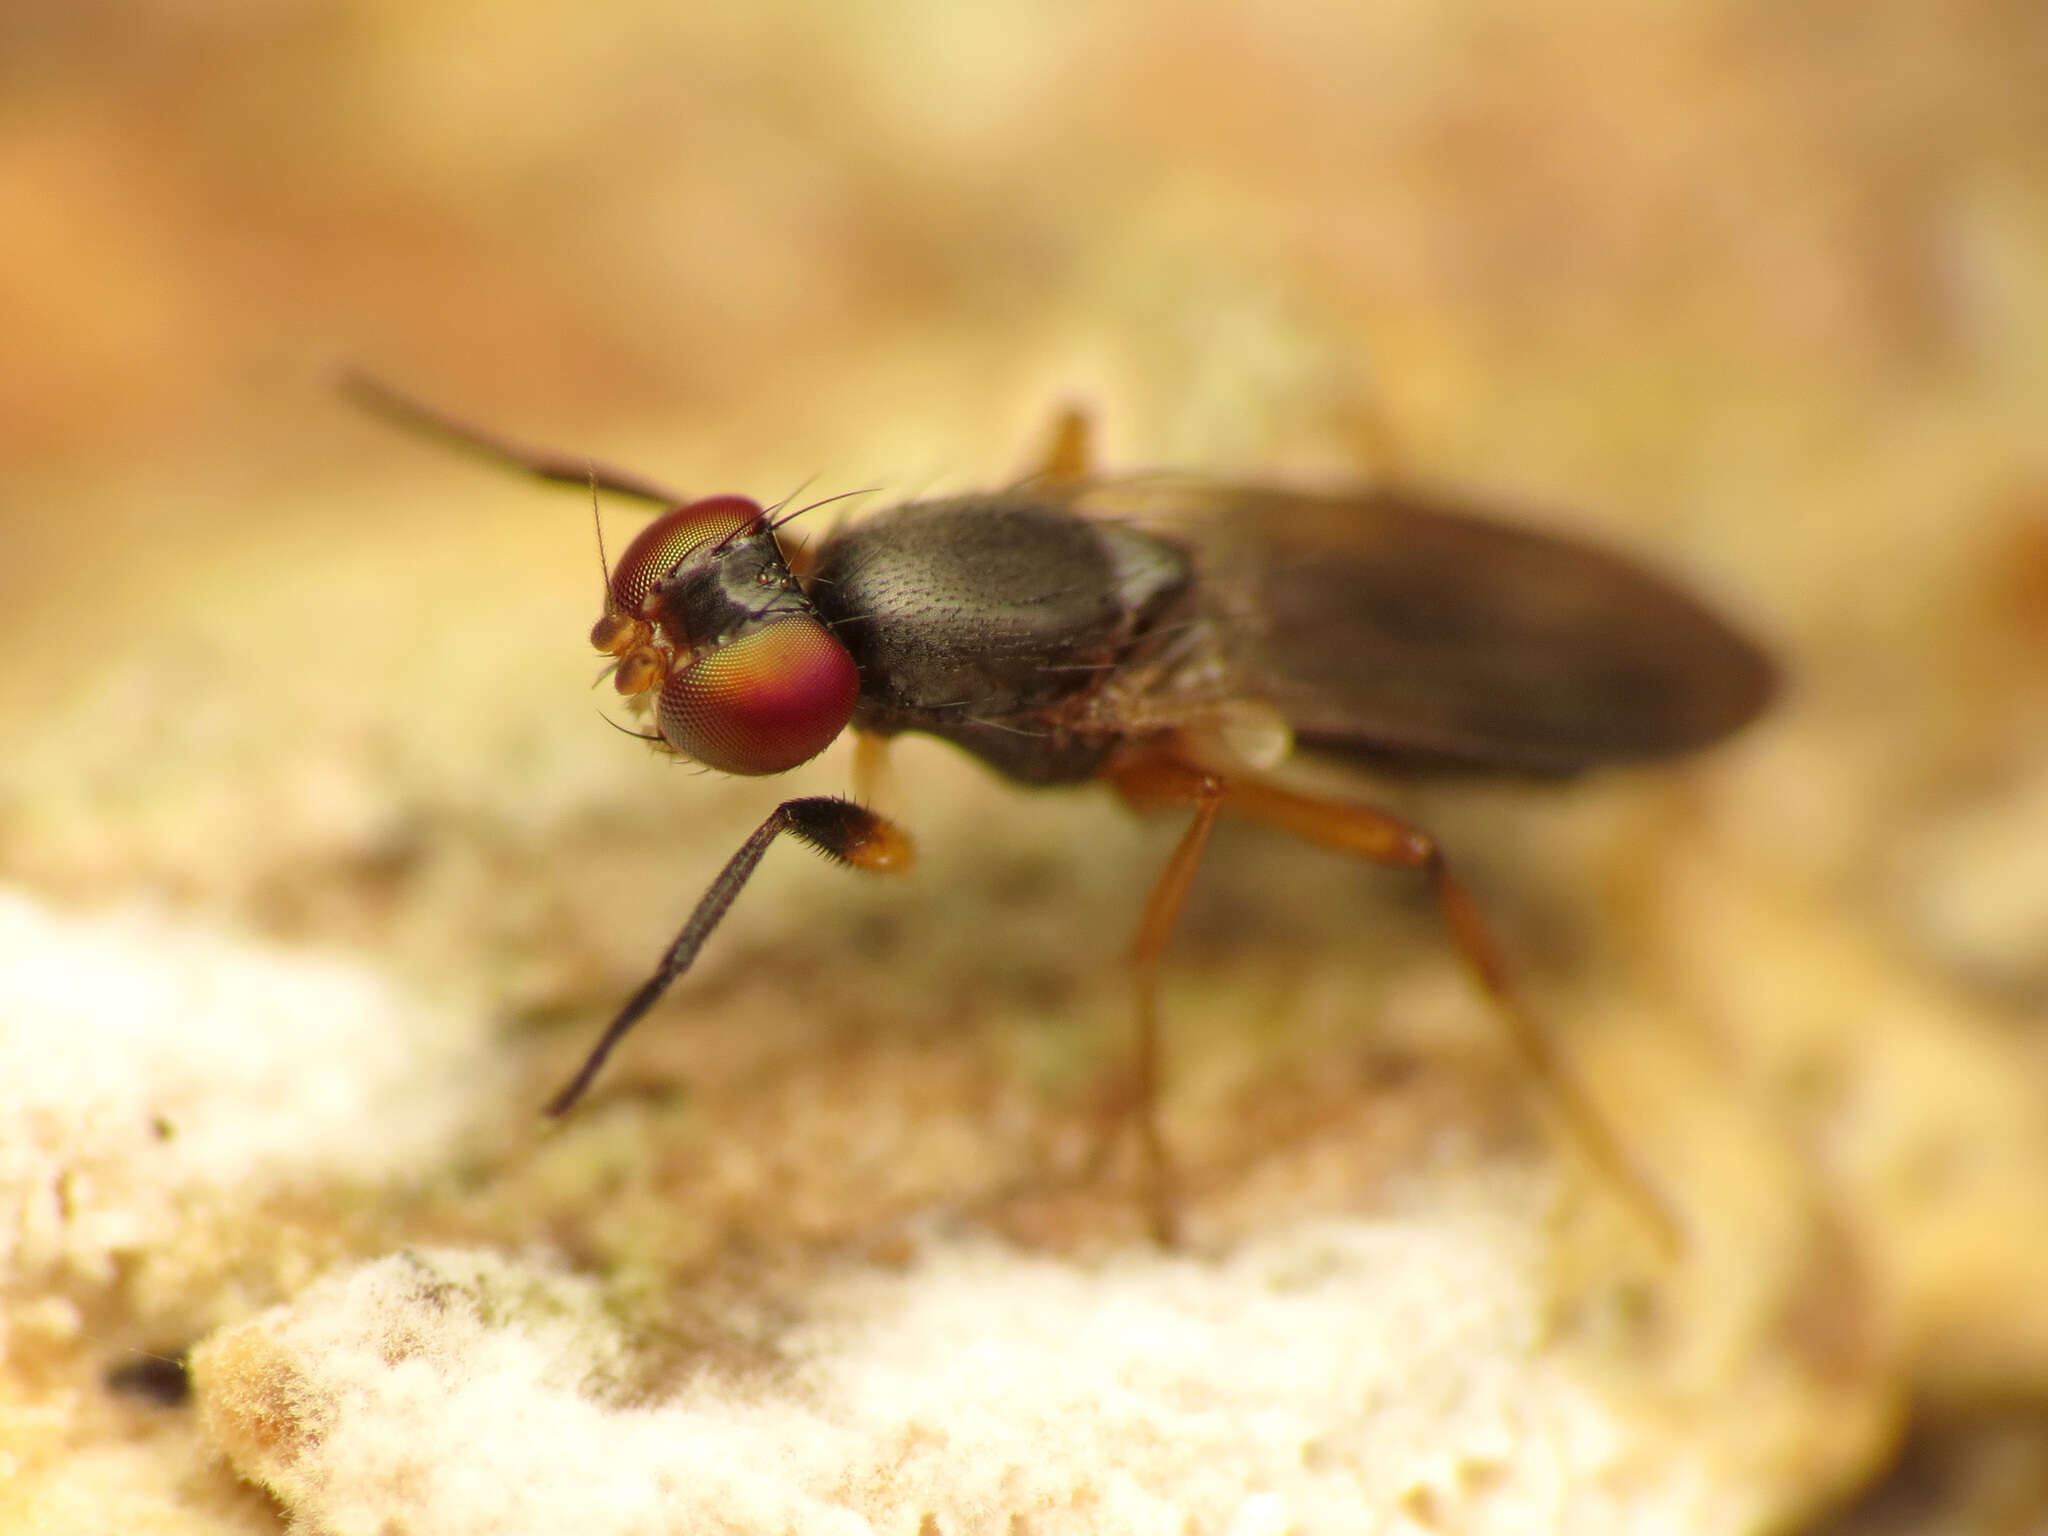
765 703
658 547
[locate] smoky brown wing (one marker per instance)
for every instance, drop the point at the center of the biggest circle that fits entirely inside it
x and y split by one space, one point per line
1395 626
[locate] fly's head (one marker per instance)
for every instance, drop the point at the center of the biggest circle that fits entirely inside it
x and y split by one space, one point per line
702 612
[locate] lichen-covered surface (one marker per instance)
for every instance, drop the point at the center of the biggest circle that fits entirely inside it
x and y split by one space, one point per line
319 866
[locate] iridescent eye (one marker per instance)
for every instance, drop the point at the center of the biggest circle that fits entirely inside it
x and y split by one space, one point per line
765 703
657 548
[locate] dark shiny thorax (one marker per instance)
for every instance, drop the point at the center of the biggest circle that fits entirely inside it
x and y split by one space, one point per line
992 622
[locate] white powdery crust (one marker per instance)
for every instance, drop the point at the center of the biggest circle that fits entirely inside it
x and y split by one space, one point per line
154 1072
1354 1377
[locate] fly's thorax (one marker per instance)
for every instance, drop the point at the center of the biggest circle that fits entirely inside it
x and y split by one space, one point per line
991 604
994 621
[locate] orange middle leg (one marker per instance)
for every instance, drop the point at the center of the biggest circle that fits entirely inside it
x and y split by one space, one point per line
1069 452
1162 915
1154 778
873 785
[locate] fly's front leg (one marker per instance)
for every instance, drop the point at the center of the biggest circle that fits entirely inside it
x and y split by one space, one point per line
839 829
1155 778
558 468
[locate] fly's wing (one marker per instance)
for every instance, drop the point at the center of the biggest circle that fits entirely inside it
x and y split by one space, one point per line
1392 626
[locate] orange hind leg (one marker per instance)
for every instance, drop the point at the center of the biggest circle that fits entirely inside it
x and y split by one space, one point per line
1151 778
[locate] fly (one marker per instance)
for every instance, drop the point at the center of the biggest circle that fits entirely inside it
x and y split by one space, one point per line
1177 638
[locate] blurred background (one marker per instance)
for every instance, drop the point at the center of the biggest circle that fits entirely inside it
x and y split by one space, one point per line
1758 291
